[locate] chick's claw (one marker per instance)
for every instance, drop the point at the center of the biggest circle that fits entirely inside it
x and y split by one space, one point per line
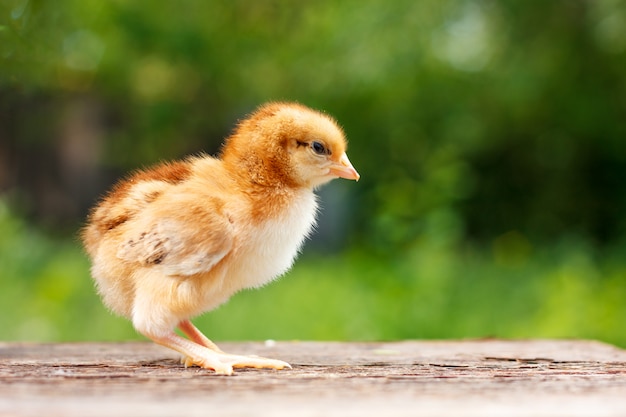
187 361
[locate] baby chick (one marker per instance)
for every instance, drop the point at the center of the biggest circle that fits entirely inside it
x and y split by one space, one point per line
177 240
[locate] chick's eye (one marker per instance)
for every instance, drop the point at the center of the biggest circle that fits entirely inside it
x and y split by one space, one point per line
318 148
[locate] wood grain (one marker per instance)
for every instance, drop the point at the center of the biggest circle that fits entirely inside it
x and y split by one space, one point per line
429 378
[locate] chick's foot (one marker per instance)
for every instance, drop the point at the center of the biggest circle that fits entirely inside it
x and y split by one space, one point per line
236 361
206 357
196 335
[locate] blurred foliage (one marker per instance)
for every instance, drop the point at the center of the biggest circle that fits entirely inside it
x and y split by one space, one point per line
431 291
489 136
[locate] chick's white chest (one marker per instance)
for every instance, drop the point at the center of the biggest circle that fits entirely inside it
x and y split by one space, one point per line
270 247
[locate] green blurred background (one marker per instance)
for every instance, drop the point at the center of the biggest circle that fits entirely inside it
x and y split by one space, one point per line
490 137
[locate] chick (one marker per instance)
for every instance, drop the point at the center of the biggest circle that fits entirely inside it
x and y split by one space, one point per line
172 242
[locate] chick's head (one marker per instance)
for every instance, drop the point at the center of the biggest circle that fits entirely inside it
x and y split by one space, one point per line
298 145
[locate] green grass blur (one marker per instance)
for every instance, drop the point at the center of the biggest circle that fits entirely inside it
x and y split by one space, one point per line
431 290
489 137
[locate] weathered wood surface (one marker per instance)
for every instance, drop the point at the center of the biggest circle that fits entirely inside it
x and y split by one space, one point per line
412 378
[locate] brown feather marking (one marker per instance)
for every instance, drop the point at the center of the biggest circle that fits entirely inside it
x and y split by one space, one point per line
170 172
106 216
112 222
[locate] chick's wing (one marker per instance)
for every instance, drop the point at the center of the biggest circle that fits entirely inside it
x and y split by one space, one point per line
180 239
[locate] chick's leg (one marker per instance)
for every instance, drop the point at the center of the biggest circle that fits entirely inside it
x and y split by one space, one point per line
196 335
195 353
193 333
158 324
236 361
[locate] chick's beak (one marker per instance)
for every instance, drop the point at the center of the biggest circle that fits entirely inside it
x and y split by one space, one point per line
344 169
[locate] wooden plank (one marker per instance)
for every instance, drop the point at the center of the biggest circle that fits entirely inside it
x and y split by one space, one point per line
429 378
